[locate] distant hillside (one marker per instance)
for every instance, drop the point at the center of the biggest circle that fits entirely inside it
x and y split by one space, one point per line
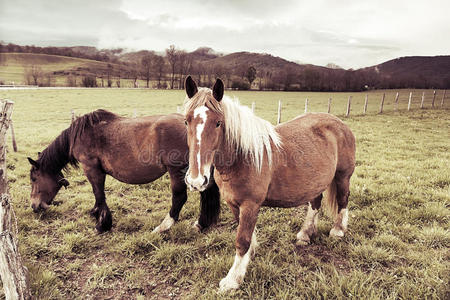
272 73
13 66
416 70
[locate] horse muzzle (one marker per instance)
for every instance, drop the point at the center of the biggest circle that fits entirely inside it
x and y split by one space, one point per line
38 207
198 184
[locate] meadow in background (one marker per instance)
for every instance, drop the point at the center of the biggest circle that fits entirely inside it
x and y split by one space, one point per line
396 247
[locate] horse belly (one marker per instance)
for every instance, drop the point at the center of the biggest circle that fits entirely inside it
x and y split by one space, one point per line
299 181
133 172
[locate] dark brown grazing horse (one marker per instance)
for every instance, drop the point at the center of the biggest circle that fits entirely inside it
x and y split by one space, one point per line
257 164
132 150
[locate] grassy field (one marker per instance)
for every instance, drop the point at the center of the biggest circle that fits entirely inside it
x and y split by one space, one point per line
397 246
13 67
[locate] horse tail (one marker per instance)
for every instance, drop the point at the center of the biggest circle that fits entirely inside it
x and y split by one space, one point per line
331 201
209 205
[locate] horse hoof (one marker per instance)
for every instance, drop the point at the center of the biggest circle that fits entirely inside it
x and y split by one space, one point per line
336 232
165 224
302 243
303 239
197 227
227 284
104 221
94 212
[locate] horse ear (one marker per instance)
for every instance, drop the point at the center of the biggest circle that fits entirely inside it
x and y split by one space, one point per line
33 162
218 90
191 87
64 182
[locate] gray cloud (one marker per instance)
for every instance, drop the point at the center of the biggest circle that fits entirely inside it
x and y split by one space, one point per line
354 34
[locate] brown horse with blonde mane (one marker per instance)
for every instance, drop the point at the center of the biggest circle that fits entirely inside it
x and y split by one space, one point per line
257 164
131 150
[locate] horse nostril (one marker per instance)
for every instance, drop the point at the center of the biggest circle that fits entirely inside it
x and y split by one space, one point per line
34 207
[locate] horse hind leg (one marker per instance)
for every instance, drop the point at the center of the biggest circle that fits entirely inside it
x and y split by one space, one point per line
342 194
309 227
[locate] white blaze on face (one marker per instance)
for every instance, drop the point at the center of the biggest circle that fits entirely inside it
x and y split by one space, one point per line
200 112
200 117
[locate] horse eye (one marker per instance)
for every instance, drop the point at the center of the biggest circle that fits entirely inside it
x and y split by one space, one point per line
218 123
33 179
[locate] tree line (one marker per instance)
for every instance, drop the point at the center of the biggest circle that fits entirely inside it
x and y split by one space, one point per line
168 70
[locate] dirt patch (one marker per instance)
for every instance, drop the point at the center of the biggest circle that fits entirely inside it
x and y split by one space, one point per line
311 253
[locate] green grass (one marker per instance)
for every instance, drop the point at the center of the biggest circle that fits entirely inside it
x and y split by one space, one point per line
13 68
396 247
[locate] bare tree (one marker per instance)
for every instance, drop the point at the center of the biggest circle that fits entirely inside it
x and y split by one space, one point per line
172 58
250 74
33 74
71 80
146 68
184 66
109 74
159 67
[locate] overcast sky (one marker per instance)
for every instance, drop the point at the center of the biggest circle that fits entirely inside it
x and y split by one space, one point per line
350 33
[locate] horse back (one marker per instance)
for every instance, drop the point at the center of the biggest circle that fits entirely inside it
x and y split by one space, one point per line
135 150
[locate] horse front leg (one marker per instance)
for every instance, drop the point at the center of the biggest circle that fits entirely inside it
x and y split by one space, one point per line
209 207
100 211
179 197
246 244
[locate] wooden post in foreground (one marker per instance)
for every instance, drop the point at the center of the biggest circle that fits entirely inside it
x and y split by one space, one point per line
434 97
13 136
396 102
279 112
253 107
366 101
329 105
382 103
443 97
12 272
423 100
409 101
306 105
72 112
348 106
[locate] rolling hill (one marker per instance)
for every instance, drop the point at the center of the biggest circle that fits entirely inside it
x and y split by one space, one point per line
13 66
414 71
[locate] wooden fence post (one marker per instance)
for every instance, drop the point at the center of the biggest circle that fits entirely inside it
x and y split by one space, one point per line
279 112
434 97
366 101
12 271
409 101
329 105
423 99
72 113
348 106
443 97
13 136
382 103
135 113
306 105
396 102
253 107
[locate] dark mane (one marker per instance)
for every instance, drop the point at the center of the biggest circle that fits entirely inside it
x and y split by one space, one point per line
58 154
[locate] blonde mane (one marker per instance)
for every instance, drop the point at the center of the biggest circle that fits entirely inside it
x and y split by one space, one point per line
245 132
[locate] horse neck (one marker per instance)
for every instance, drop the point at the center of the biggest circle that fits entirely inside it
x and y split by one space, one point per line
58 154
227 157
